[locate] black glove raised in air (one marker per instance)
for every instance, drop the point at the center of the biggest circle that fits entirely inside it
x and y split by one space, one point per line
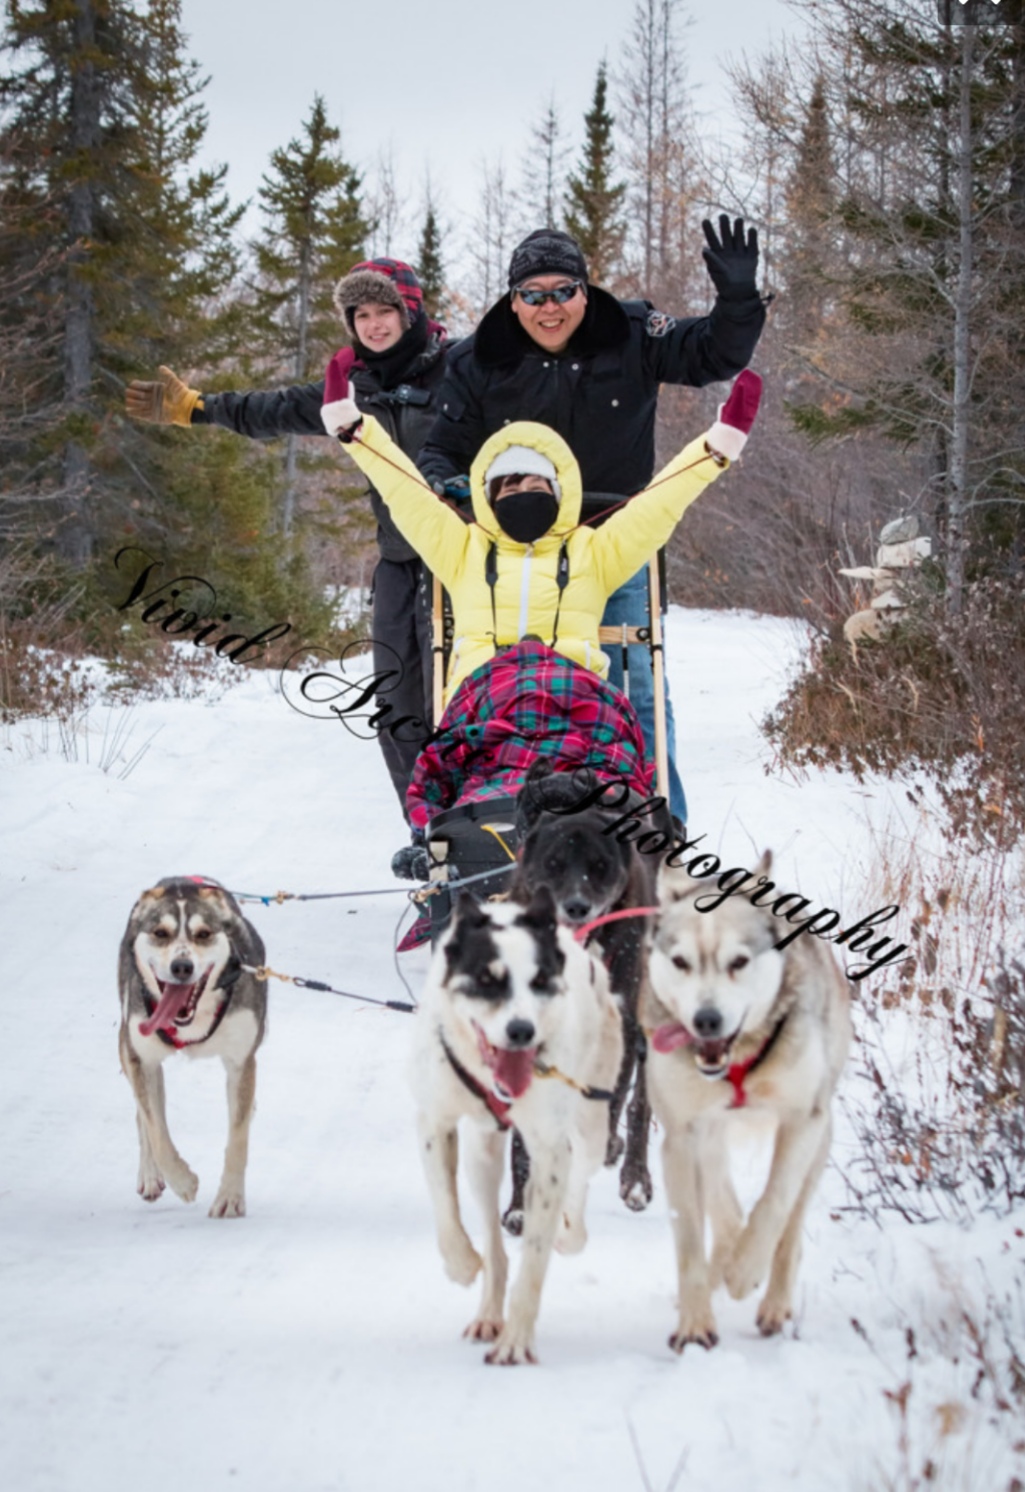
732 259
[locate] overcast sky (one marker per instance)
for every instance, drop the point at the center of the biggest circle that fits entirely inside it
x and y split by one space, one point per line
441 84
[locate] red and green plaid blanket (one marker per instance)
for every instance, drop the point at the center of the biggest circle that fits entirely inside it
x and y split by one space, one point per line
528 702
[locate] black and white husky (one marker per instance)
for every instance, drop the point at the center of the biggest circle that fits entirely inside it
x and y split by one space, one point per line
183 990
516 1028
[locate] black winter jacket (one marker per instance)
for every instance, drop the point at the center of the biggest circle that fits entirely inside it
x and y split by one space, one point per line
600 394
406 411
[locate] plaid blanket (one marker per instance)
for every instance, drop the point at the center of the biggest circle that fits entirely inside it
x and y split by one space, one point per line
526 703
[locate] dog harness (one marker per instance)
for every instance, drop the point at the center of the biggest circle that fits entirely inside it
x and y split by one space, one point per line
737 1072
496 1107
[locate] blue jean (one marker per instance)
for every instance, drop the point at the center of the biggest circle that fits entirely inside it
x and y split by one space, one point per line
630 605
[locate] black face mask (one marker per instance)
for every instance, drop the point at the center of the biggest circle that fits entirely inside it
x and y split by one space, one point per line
526 516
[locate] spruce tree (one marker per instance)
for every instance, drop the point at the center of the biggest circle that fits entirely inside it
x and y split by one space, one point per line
807 258
116 255
430 269
594 202
313 234
67 144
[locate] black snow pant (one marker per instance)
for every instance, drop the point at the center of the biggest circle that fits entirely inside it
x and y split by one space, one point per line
402 647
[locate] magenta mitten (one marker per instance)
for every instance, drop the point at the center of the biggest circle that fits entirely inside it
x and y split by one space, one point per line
339 413
336 379
728 435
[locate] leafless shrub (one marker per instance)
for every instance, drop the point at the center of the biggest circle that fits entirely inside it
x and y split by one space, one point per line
938 1098
958 1398
942 694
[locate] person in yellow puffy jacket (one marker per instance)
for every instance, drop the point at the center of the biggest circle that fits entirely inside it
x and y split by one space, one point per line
525 567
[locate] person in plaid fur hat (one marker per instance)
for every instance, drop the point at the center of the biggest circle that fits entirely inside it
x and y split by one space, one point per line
394 361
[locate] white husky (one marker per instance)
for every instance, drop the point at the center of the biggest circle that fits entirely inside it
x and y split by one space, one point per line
517 1027
734 1022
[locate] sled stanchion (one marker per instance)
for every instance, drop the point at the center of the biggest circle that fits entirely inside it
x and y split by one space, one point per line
438 647
658 670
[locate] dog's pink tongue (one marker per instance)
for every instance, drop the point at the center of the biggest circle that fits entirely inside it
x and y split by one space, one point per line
668 1038
514 1070
172 1001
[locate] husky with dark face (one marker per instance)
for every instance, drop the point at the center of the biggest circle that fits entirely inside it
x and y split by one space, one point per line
736 1023
183 990
590 871
516 1027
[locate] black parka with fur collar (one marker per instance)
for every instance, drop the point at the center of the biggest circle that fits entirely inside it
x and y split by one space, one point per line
600 394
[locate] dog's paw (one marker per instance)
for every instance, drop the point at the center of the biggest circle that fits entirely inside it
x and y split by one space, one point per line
183 1181
513 1347
229 1202
572 1235
484 1329
773 1314
462 1261
697 1322
512 1221
747 1265
151 1186
614 1149
635 1188
706 1337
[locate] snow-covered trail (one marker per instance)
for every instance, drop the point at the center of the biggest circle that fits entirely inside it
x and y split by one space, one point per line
315 1345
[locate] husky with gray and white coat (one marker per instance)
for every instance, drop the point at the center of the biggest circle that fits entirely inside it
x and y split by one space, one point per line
734 1023
183 989
517 1027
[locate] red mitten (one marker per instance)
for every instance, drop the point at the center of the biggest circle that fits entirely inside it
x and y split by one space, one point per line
336 378
339 412
728 435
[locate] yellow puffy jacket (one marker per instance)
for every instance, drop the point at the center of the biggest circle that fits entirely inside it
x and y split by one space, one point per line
526 598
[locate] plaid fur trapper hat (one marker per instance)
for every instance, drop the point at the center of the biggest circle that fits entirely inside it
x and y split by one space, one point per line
384 282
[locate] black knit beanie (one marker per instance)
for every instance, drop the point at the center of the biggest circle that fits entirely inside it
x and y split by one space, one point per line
546 251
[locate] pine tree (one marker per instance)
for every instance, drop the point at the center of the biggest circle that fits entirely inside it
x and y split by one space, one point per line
188 255
807 257
100 126
314 233
430 269
116 255
594 202
67 143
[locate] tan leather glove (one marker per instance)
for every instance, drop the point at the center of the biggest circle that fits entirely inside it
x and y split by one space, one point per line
167 401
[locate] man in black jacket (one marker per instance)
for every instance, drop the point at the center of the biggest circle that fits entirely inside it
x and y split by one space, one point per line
395 364
570 355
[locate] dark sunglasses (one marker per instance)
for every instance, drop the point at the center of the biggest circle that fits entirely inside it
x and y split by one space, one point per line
560 295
